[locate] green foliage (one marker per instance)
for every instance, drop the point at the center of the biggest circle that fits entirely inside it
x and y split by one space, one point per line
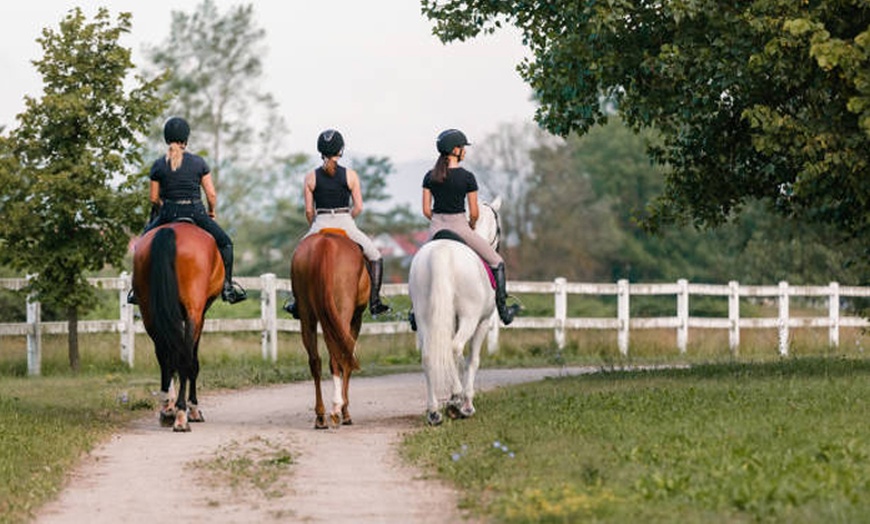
766 100
67 197
603 181
714 443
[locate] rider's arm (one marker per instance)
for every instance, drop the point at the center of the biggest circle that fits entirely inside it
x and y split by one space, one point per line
427 203
473 210
210 194
310 183
355 192
154 193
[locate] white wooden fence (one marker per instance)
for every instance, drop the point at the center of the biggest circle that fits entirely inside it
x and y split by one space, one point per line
270 322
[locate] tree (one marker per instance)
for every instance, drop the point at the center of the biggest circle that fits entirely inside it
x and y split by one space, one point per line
504 167
215 68
766 100
66 206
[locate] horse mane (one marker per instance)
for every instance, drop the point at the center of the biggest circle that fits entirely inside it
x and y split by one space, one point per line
333 329
167 314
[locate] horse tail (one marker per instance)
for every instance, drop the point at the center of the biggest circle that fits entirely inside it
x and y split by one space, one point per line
330 321
169 318
438 358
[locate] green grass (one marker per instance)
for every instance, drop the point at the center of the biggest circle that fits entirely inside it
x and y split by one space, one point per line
47 423
45 426
743 442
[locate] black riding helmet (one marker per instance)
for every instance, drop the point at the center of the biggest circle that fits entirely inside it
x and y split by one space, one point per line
176 129
330 143
449 139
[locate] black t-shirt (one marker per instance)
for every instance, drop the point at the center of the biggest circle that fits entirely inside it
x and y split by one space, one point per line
331 192
449 195
183 183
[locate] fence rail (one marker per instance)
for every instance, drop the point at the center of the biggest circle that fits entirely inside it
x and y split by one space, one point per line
269 324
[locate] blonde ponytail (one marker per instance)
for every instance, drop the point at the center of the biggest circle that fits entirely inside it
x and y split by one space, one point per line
175 155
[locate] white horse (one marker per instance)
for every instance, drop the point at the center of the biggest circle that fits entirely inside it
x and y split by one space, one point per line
453 301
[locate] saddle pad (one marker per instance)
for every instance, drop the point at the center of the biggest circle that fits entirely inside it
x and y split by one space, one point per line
333 231
446 234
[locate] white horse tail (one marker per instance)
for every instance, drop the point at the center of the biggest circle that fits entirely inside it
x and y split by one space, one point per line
438 359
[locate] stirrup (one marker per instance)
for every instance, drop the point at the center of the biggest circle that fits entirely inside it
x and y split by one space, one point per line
233 293
132 298
377 307
412 319
290 307
508 313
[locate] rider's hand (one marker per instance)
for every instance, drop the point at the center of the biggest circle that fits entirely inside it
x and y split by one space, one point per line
211 214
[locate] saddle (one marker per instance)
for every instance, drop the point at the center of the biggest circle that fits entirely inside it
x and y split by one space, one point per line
446 234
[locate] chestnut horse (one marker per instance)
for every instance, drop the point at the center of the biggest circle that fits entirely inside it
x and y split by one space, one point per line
331 286
177 274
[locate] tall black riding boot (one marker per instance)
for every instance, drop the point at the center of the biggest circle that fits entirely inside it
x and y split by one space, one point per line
504 312
232 292
376 273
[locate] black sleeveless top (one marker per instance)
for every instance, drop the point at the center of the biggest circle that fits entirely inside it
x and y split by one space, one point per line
183 183
331 192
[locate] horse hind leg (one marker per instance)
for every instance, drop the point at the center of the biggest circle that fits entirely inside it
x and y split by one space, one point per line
194 414
345 390
166 417
181 423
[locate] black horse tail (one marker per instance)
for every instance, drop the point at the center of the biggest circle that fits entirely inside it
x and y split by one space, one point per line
171 326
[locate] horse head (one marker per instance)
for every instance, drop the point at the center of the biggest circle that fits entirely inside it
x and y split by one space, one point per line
488 225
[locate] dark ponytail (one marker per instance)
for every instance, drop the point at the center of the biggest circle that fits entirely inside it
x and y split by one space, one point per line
439 172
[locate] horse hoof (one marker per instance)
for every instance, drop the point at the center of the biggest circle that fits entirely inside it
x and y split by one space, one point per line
195 415
434 418
320 422
167 418
181 425
181 428
335 419
347 422
466 411
453 411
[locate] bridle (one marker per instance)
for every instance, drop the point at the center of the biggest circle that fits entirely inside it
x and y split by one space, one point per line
494 242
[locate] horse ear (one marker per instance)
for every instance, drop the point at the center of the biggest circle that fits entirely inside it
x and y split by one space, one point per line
496 203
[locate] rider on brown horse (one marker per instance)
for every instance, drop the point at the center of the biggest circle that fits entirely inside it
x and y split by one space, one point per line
328 193
176 179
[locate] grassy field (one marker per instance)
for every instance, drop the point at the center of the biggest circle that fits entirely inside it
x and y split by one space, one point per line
48 422
743 442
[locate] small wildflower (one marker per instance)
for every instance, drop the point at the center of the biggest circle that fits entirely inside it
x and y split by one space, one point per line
455 457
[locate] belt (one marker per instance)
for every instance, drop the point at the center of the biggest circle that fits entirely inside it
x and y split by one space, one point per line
185 202
335 211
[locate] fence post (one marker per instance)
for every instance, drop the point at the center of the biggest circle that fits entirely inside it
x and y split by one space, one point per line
834 315
561 307
269 337
34 335
683 315
622 303
128 333
734 316
783 318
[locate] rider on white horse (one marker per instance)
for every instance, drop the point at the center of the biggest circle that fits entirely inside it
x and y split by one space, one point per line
450 186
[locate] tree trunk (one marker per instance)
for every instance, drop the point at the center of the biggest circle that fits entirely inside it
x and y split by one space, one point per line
72 315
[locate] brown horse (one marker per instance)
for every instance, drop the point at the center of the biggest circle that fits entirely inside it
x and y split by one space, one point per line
177 274
331 285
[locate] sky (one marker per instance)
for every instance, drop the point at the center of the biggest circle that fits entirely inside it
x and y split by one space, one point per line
371 69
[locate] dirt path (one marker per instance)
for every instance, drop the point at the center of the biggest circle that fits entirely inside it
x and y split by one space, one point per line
350 474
